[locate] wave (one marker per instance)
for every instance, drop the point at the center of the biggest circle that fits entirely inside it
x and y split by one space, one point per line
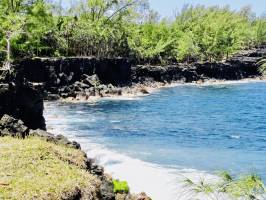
228 82
160 183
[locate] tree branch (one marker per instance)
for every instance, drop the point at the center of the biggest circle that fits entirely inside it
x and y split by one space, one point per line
120 9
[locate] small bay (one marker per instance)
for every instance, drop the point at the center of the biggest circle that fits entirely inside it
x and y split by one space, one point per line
186 130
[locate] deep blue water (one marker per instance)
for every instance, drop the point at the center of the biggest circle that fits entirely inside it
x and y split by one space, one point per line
210 128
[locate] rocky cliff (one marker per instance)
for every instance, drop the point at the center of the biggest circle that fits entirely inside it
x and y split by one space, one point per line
40 145
85 77
240 66
19 99
21 91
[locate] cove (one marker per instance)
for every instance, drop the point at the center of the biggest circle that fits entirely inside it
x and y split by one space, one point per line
186 130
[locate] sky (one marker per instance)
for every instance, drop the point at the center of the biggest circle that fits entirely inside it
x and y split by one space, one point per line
166 7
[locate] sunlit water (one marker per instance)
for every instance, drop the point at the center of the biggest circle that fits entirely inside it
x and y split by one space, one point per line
153 142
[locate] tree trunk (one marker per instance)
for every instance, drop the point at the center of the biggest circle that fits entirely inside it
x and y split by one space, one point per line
8 49
8 53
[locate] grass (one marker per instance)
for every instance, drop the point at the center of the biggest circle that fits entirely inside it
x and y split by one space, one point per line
36 169
246 186
120 186
249 187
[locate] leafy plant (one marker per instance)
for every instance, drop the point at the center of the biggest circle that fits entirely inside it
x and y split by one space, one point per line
249 187
125 28
262 67
120 186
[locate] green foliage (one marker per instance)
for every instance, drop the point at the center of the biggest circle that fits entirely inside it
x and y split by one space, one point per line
186 47
262 67
150 40
120 186
39 29
216 32
226 176
200 187
246 187
125 28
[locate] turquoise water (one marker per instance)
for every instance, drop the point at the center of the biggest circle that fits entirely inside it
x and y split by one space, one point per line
207 128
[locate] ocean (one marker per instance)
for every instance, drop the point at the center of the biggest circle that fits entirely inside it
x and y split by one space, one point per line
155 142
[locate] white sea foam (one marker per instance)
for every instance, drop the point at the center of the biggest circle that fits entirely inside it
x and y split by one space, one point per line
156 87
227 82
160 183
235 136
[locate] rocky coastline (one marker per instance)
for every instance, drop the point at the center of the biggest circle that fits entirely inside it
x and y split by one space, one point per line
87 78
12 127
24 88
21 110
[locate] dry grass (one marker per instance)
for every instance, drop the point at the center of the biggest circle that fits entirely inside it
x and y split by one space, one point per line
35 169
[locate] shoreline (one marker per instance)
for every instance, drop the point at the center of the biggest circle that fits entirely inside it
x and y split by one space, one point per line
153 89
148 170
140 90
125 167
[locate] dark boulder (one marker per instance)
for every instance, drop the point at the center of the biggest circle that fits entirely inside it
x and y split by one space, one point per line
92 81
66 71
10 126
234 69
167 73
70 77
57 139
96 169
116 71
107 190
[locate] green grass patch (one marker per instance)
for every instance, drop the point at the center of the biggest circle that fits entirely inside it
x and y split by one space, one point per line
36 169
120 186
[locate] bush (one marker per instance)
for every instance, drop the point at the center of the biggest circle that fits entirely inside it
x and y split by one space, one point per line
120 186
262 67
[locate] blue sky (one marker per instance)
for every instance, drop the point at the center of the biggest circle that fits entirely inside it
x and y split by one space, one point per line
166 7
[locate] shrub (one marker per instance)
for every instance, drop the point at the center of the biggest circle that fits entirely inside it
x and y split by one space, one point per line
247 187
262 67
120 186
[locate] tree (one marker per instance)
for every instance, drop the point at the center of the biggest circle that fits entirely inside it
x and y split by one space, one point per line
122 28
260 31
150 41
217 32
187 49
40 30
11 26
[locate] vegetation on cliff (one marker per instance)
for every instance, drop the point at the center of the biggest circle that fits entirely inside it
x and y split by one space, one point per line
107 28
120 186
262 67
35 169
